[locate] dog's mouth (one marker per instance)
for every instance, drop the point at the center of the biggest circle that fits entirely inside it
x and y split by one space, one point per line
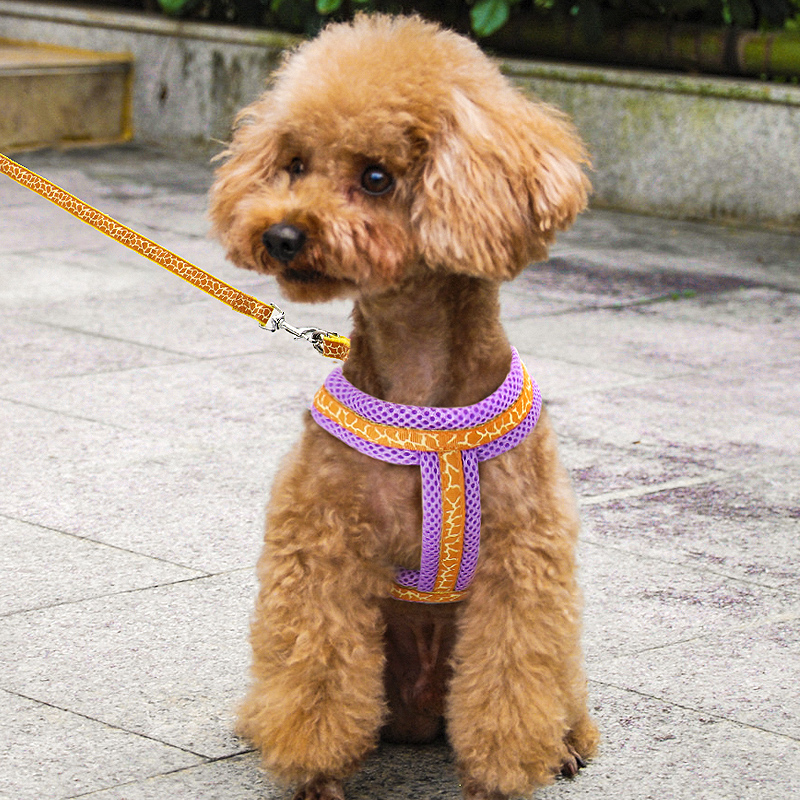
296 275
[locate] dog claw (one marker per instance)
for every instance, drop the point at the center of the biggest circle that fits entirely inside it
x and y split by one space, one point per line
572 763
320 789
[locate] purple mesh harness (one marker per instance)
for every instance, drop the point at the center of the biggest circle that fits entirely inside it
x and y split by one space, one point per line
451 503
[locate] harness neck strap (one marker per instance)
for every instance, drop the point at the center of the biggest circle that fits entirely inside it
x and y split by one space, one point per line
447 444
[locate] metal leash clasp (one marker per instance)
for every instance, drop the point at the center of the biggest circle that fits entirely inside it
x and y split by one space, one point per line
311 334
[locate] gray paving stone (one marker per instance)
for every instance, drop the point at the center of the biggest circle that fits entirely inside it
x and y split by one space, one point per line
658 603
569 282
772 311
224 399
747 675
397 772
28 227
744 526
234 778
35 351
653 749
196 503
50 753
628 241
142 424
640 341
41 279
140 303
604 469
560 379
697 416
42 567
15 196
167 663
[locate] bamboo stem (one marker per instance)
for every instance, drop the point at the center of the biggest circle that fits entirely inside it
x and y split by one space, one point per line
723 51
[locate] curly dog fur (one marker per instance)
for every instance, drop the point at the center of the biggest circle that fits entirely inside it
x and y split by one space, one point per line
391 162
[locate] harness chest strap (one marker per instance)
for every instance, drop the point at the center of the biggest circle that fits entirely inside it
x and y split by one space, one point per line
447 444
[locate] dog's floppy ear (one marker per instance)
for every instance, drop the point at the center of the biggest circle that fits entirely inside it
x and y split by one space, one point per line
502 175
250 160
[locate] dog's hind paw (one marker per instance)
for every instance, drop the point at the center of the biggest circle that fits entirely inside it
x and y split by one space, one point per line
320 789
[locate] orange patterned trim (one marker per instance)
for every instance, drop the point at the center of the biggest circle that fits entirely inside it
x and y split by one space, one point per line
454 517
451 537
399 592
439 441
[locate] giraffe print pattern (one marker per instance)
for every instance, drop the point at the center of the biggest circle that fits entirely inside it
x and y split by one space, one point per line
412 595
425 440
449 466
237 300
453 520
335 346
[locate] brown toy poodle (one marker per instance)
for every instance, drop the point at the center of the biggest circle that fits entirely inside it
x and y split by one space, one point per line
392 163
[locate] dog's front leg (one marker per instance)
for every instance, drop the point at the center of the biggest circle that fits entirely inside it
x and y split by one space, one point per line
517 706
316 704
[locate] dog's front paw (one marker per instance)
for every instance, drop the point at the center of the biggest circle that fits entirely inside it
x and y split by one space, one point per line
474 791
572 763
320 789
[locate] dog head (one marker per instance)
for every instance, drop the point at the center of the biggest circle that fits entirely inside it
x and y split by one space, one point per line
387 147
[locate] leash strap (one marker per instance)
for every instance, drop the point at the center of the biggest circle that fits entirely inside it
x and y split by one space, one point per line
270 317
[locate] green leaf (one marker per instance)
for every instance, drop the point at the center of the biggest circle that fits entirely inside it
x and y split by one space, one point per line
176 7
328 6
489 16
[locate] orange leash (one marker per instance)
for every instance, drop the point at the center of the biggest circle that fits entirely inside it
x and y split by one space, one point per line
270 317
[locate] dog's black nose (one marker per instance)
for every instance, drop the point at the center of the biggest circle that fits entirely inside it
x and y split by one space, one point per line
283 241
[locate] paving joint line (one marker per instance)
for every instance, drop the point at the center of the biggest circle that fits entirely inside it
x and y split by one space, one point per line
67 414
655 488
91 598
206 761
110 338
743 627
684 565
694 710
98 542
102 722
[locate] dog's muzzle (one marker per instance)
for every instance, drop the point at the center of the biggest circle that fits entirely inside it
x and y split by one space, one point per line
283 241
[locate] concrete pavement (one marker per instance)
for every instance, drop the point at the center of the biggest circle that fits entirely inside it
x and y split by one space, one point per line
142 423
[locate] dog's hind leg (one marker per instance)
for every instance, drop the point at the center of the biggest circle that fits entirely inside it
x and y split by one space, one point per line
419 641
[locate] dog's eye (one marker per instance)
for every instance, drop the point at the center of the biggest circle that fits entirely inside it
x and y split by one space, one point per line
376 180
296 167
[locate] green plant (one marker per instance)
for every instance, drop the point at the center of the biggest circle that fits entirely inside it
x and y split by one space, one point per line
177 8
488 16
485 17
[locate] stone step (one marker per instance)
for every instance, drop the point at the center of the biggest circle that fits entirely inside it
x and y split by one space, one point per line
59 96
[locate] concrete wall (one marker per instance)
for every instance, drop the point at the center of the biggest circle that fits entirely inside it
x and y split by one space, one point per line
706 148
190 79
